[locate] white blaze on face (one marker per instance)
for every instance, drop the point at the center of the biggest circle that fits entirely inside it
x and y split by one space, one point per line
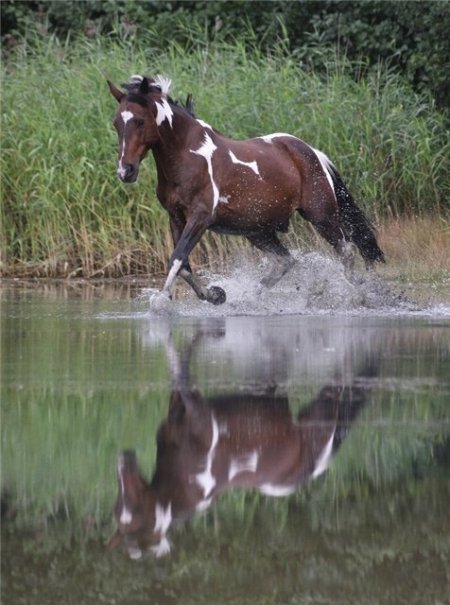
207 150
252 165
126 117
125 516
206 479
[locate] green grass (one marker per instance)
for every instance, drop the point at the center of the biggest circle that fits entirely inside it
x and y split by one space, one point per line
64 212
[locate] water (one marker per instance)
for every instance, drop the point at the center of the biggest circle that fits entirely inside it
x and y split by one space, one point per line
88 372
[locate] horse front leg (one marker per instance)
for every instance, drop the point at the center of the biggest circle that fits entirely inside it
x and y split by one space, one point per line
185 237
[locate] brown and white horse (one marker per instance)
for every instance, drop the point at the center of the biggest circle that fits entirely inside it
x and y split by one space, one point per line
208 446
249 188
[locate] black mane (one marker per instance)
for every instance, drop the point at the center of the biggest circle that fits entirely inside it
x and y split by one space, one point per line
135 96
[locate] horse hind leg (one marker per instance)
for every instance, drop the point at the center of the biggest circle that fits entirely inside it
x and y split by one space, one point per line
268 242
347 252
331 231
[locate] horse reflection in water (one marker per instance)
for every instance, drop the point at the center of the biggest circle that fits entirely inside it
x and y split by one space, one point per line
209 445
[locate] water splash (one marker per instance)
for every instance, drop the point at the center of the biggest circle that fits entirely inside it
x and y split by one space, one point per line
317 284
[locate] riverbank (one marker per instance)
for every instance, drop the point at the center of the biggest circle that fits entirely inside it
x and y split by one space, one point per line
417 261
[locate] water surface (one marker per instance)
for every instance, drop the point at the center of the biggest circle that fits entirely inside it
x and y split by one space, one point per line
89 372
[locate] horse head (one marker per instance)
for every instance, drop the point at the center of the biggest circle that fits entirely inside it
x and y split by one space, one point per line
142 109
142 521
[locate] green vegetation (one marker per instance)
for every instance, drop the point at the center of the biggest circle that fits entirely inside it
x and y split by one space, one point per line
64 213
411 36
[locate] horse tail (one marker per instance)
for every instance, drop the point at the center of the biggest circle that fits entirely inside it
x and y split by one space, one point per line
357 227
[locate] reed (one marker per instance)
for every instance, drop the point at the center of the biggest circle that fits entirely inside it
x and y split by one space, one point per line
64 212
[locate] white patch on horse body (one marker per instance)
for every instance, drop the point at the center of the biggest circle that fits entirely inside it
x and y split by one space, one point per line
242 464
267 138
164 112
204 124
172 275
327 166
163 518
203 505
126 116
252 165
224 199
207 150
276 491
205 479
324 459
161 549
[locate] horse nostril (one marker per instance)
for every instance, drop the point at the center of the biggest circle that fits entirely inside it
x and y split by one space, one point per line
129 171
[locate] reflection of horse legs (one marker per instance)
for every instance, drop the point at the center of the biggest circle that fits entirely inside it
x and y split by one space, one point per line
267 241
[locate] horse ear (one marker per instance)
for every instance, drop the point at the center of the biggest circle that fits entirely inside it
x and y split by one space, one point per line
144 86
116 93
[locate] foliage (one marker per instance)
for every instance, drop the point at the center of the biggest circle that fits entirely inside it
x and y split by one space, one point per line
64 212
410 36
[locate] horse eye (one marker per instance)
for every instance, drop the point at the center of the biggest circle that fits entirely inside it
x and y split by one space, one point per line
139 122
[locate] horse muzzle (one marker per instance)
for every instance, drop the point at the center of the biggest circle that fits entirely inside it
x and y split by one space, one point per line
128 173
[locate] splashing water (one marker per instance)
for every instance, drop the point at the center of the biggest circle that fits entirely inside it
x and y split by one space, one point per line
316 284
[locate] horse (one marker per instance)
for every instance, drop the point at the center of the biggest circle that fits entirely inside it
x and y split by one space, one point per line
207 446
251 187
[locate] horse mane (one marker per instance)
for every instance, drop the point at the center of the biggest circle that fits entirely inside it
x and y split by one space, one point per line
158 84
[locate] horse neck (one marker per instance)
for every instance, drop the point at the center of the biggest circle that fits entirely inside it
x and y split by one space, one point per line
175 132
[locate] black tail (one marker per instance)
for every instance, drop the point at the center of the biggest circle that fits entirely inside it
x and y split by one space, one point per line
357 227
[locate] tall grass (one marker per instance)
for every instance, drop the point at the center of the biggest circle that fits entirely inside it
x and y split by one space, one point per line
64 211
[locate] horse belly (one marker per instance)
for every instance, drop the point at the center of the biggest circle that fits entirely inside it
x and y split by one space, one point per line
253 208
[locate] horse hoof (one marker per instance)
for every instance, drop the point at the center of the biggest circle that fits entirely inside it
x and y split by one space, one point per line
216 295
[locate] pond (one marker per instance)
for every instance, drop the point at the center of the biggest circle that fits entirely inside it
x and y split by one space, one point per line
301 456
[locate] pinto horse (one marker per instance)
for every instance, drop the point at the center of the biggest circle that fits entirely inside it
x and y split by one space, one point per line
208 446
249 188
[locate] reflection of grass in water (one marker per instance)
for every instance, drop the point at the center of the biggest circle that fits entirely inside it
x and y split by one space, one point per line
370 531
389 548
65 465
